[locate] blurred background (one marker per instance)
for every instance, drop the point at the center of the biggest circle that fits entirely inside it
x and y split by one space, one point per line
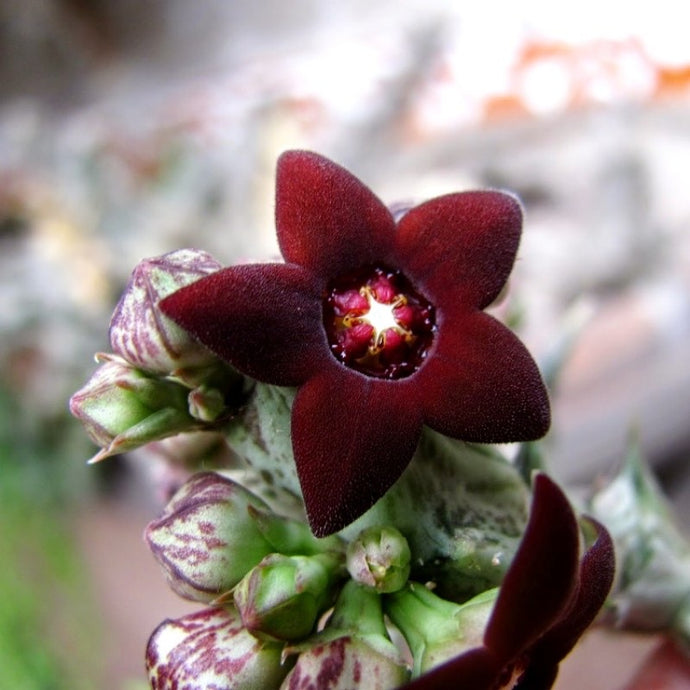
129 129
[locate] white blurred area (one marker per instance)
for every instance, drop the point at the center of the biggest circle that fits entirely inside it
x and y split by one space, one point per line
130 129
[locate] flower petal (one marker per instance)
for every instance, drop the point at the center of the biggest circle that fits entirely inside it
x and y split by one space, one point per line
265 319
597 570
327 220
538 677
476 669
352 438
481 384
461 244
540 583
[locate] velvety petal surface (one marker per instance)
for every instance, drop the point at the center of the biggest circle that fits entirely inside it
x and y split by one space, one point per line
474 670
540 583
480 383
265 319
597 570
352 437
327 220
460 246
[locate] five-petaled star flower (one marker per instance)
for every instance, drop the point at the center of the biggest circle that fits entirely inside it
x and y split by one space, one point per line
547 600
380 325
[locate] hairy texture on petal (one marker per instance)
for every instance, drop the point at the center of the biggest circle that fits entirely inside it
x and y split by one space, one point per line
481 384
473 670
541 581
265 319
461 246
352 437
597 570
327 220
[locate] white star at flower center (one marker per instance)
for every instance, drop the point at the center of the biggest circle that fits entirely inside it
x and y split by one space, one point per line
380 317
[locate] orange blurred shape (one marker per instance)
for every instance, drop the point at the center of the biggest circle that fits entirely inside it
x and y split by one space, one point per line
673 80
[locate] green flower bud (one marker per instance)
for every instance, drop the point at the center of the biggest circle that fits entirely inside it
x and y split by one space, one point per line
214 531
435 629
292 537
206 404
211 649
141 334
353 650
123 408
207 538
283 596
379 558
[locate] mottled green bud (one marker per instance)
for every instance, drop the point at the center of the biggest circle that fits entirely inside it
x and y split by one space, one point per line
283 596
211 649
206 404
141 334
652 592
435 629
214 531
207 539
379 558
352 651
122 407
292 537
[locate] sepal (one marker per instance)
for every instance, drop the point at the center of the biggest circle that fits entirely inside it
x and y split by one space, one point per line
122 407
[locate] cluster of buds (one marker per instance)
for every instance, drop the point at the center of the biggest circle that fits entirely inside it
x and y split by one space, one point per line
269 583
288 610
158 381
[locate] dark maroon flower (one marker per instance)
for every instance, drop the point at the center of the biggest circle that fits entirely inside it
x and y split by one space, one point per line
379 324
547 600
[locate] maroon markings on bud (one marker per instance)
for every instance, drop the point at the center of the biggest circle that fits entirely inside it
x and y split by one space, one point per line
140 333
207 539
211 649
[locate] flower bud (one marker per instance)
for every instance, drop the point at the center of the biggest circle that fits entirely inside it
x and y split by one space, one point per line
211 649
140 333
206 404
353 648
122 408
283 596
379 558
207 539
435 629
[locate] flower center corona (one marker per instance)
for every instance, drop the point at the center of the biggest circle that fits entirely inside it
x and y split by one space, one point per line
377 324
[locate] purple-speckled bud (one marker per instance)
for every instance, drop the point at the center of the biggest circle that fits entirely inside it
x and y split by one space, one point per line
353 650
207 539
140 333
123 408
379 558
283 596
211 649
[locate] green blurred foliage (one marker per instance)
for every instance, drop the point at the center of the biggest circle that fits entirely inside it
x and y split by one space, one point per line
49 634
